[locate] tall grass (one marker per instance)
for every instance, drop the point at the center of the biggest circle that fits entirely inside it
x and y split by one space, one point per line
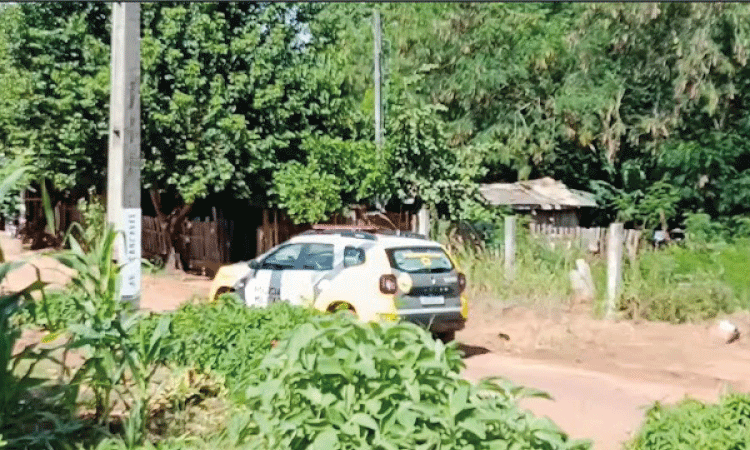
692 282
687 283
541 275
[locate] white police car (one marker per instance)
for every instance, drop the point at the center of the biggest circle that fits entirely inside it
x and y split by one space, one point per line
377 276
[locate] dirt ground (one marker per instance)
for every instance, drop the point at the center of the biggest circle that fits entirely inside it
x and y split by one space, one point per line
601 374
162 291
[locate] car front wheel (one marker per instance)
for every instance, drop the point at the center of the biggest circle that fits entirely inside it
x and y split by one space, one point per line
446 336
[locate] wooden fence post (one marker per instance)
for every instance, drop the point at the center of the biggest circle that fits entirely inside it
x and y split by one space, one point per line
510 246
614 267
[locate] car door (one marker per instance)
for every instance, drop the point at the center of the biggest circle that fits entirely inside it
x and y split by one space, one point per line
266 285
315 261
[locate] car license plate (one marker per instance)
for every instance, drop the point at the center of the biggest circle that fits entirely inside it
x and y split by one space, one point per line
432 300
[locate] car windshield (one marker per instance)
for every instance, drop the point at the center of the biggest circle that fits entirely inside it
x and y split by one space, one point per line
420 260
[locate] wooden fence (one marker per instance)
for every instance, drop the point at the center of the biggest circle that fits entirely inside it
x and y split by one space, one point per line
209 244
276 228
591 239
206 244
153 241
65 213
203 245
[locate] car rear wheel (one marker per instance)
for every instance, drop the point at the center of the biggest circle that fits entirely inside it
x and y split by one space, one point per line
446 336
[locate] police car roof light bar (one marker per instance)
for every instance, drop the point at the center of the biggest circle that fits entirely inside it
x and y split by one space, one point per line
408 234
346 232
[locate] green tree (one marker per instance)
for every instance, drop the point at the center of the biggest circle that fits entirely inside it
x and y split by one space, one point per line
678 112
333 175
586 93
54 112
14 84
425 166
229 92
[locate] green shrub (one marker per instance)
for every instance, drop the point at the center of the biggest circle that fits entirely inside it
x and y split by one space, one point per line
188 403
681 284
699 228
677 303
226 336
32 415
695 425
94 218
53 311
340 384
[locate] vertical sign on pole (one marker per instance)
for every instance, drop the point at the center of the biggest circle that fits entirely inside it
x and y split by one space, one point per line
124 158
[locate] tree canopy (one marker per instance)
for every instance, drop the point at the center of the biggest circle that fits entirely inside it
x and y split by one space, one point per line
644 104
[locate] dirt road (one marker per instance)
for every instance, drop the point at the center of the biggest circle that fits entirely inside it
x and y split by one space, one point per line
602 375
588 405
163 291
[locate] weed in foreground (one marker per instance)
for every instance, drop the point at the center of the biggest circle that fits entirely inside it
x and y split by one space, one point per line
226 336
336 383
695 425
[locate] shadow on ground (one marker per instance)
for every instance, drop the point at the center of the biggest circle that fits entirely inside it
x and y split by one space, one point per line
472 350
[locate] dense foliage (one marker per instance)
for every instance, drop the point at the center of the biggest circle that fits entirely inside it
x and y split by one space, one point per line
644 104
227 337
641 103
692 424
341 384
56 69
687 283
229 92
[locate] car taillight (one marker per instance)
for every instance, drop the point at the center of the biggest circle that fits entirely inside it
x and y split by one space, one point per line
461 282
388 284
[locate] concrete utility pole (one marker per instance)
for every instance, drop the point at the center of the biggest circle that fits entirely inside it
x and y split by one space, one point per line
124 159
376 55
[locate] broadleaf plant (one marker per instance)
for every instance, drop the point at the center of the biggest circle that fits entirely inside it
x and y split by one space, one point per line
340 384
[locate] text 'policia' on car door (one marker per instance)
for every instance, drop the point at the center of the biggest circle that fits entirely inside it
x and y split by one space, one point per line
289 274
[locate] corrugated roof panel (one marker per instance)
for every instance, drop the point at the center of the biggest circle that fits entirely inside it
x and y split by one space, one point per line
545 192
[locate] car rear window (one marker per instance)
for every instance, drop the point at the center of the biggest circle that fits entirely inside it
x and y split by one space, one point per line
419 260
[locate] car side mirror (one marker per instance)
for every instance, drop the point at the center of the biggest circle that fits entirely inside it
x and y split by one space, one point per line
255 265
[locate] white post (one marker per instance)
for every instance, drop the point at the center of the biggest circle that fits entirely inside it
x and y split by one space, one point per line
510 246
123 165
614 267
423 221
